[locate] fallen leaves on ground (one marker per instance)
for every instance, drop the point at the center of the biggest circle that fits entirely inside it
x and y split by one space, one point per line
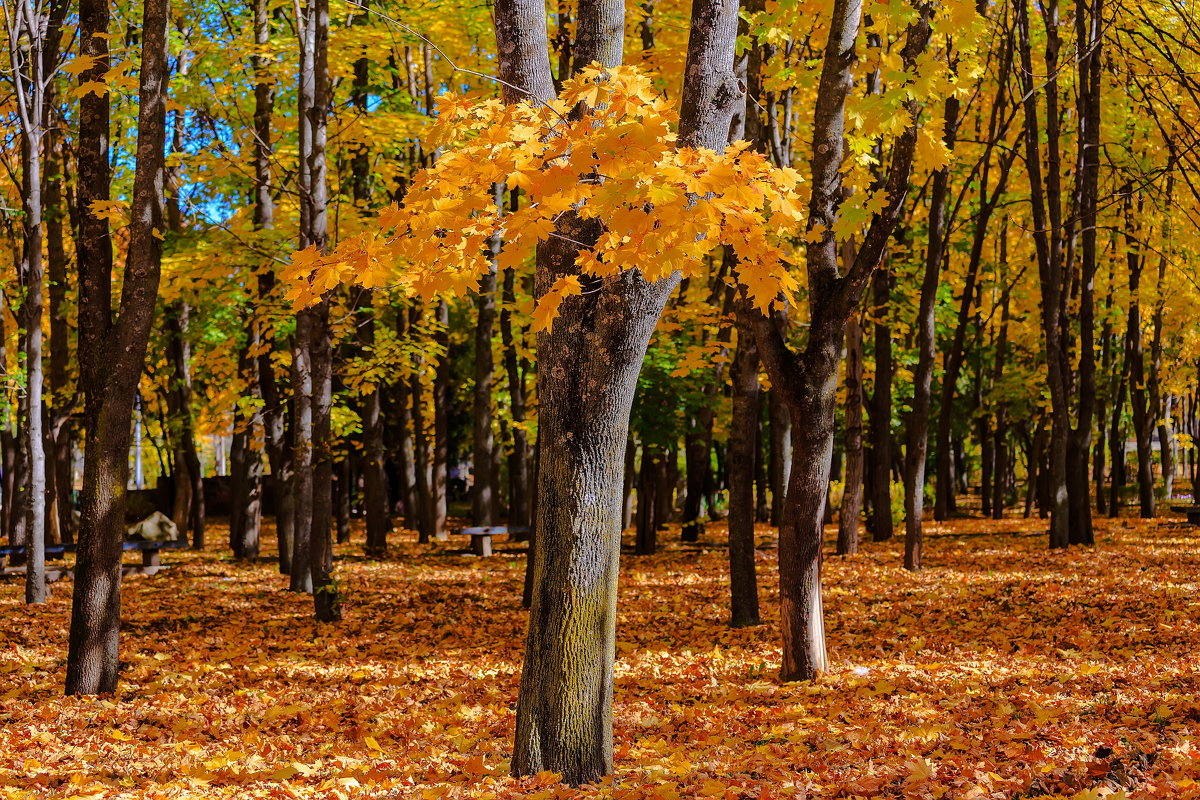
1002 670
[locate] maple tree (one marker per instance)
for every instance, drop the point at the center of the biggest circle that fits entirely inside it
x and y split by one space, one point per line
641 281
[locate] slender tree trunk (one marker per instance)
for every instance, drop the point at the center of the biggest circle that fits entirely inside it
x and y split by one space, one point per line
743 442
1047 216
484 494
275 412
881 413
808 380
650 483
852 495
112 351
518 460
917 428
441 425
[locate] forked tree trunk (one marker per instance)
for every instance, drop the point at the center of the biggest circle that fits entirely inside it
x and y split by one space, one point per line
808 380
564 709
112 351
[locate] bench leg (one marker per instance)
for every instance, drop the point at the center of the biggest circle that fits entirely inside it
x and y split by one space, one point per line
150 558
481 544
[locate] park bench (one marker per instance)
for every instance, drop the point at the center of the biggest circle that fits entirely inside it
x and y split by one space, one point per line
151 562
1192 512
481 537
8 551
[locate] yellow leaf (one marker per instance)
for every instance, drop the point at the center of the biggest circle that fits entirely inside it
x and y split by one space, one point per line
547 307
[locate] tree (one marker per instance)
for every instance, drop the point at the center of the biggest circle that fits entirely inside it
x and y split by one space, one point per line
807 379
112 349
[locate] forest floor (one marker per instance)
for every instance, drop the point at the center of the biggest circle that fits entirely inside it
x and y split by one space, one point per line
1003 670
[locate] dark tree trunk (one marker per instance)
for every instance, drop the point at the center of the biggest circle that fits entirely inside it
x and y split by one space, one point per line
1048 236
518 460
847 542
917 427
485 491
1088 23
763 497
188 476
343 492
245 462
743 442
808 380
423 451
441 425
649 513
780 444
112 351
880 429
274 412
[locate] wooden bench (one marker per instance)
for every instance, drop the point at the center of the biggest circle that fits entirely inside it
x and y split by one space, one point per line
1192 512
481 538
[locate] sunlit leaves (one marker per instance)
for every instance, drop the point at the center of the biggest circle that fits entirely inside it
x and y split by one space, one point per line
612 159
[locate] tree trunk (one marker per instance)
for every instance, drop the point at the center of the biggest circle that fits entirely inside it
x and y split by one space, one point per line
112 351
1047 235
245 513
917 429
808 380
852 494
274 413
881 413
649 513
743 442
518 460
564 709
484 493
441 425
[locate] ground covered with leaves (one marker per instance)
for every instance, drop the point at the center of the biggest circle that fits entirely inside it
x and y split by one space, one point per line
1003 670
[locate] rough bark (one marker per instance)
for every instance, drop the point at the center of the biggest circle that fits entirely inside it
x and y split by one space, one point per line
112 351
564 709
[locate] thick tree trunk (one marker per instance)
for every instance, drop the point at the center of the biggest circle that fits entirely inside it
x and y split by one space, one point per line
564 710
112 352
